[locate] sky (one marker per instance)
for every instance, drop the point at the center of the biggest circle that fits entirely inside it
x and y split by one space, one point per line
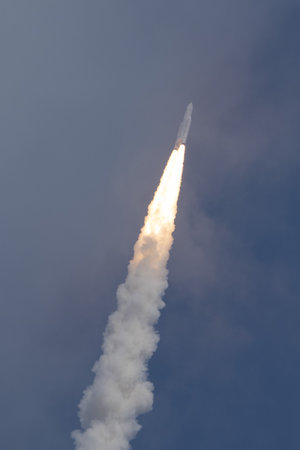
92 94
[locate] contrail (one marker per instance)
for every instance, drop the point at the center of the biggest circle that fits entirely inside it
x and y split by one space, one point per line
120 391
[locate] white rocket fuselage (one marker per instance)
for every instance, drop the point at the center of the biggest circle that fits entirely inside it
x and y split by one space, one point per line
184 127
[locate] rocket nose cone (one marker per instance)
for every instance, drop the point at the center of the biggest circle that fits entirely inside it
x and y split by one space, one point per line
190 108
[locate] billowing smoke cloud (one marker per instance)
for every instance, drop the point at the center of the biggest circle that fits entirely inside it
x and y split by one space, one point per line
120 392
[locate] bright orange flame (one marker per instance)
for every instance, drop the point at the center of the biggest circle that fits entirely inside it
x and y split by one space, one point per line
162 209
159 223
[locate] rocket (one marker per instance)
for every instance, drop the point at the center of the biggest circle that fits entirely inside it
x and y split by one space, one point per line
184 127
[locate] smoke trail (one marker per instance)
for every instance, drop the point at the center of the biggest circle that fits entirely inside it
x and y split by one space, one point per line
120 392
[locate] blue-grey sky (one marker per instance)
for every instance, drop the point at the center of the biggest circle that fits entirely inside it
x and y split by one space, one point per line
92 94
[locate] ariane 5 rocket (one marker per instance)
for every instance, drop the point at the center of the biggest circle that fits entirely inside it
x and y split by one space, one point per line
184 127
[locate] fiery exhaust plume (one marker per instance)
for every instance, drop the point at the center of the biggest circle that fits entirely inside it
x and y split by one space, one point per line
120 391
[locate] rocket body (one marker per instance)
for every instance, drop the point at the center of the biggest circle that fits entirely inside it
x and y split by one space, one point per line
184 127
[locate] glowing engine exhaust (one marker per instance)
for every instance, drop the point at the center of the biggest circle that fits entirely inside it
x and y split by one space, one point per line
121 391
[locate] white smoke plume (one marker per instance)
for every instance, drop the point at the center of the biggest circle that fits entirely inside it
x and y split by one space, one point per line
120 391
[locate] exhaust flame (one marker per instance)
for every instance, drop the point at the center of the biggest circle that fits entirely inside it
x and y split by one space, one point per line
120 392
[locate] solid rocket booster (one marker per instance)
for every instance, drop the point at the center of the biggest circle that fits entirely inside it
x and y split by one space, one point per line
184 127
